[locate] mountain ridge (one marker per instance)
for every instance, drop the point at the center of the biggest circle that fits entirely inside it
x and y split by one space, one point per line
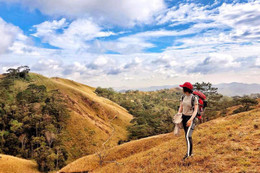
228 89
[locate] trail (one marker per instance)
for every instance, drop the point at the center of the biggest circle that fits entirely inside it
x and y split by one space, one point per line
113 131
102 154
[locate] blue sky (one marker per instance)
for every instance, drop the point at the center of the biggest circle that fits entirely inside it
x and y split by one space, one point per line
132 44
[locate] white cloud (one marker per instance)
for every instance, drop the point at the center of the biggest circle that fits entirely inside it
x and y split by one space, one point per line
71 36
134 64
13 41
257 63
48 28
223 60
215 63
138 42
126 13
125 45
243 19
101 61
49 65
185 13
9 34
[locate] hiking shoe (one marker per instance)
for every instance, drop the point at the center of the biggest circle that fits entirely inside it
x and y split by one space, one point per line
186 155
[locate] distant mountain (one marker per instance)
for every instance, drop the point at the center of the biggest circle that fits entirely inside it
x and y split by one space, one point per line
228 89
239 89
151 88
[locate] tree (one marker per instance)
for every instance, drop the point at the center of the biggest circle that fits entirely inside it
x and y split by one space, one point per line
206 88
23 71
50 137
213 99
246 103
19 72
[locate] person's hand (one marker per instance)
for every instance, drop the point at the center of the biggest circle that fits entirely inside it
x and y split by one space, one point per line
188 123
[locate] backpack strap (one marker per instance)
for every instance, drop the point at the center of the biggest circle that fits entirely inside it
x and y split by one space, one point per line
182 97
192 101
192 105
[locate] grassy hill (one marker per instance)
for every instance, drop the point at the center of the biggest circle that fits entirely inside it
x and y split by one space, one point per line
89 123
92 120
225 144
17 165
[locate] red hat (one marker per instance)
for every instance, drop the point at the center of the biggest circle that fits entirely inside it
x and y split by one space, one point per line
187 85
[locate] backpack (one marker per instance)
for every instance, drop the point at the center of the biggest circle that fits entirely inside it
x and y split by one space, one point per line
202 97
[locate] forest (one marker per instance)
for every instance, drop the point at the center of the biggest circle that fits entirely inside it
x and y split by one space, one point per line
31 121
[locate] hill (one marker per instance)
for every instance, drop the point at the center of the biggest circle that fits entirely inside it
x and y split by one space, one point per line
92 119
225 144
17 165
238 89
89 123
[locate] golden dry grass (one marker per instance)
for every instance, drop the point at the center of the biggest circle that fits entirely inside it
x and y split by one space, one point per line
91 162
11 164
226 144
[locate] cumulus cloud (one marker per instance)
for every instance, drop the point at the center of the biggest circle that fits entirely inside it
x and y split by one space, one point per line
9 34
14 41
100 62
124 13
47 28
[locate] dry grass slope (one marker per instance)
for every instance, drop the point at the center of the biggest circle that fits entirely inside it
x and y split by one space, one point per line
89 123
226 144
10 164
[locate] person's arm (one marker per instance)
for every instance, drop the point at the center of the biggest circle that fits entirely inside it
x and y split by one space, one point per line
196 105
194 112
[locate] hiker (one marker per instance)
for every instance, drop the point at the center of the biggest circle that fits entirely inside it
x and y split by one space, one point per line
188 114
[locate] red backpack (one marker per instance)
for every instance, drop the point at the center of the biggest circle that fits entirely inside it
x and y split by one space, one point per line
202 102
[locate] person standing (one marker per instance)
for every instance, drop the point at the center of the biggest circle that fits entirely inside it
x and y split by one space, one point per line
188 108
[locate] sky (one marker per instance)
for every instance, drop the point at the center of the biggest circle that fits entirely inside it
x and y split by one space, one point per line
133 44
